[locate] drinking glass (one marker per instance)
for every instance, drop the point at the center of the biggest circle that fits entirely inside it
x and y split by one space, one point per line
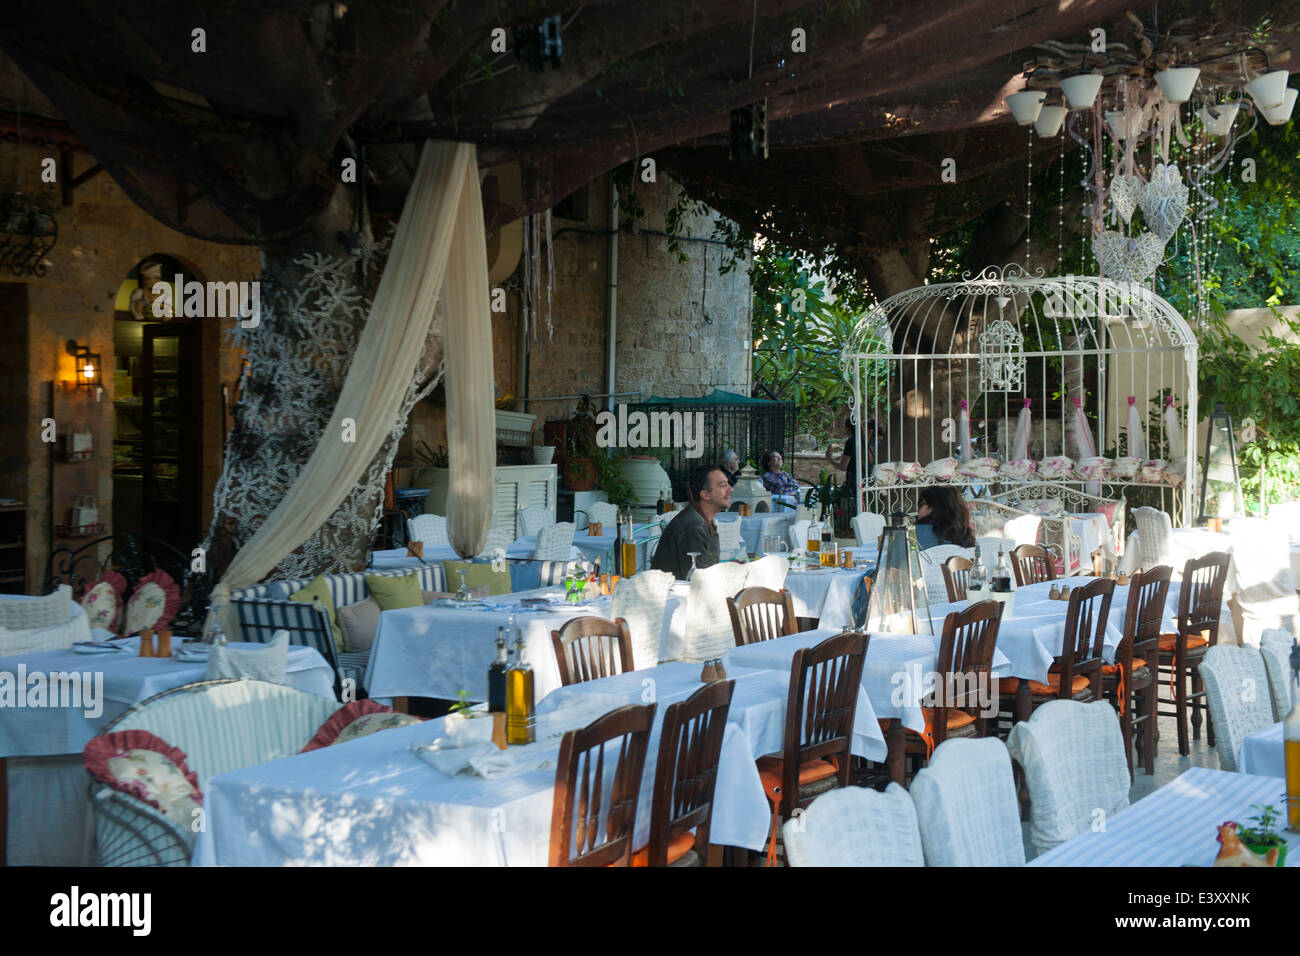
462 592
693 555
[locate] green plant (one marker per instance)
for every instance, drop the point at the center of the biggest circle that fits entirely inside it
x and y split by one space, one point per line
1264 831
609 478
583 434
426 457
464 706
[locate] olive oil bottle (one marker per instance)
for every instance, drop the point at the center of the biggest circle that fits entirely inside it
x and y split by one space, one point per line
519 698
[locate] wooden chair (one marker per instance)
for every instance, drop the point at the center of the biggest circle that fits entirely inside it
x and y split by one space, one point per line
1032 564
581 834
963 671
956 573
1200 598
824 685
1076 674
761 614
689 747
1132 682
588 648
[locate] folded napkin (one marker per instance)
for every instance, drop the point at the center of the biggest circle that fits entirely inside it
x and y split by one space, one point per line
481 760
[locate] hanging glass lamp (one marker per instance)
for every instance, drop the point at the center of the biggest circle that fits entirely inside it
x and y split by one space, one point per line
1220 478
899 602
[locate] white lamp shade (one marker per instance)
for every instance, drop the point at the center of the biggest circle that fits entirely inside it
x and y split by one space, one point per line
1177 84
1081 91
1117 124
1222 124
1049 120
1281 114
1026 105
1268 90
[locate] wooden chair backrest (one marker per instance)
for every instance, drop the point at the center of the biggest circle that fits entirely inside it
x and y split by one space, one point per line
1200 598
761 614
587 648
1085 631
1143 615
690 745
956 573
578 835
1032 564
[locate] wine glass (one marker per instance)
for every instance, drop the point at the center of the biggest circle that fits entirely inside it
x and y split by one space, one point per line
693 555
584 573
462 592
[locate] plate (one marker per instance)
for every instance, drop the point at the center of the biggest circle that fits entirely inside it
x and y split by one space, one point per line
96 647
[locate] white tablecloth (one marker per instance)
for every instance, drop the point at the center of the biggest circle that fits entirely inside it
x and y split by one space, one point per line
826 595
49 818
1262 754
1094 533
754 528
438 652
396 558
373 802
1176 825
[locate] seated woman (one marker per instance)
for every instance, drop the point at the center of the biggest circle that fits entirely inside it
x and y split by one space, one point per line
784 488
943 518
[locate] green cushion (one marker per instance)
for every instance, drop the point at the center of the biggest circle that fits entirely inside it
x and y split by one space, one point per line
476 575
391 593
319 590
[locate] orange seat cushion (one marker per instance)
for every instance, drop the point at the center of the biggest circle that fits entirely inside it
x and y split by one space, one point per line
956 719
1053 686
1008 685
1114 668
770 770
1169 642
678 847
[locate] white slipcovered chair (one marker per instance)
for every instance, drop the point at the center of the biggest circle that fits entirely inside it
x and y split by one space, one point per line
1155 537
708 622
496 538
555 542
798 534
1275 646
730 546
253 661
768 572
990 546
602 512
1023 529
1260 579
855 826
533 519
1075 768
1236 690
640 600
966 805
431 529
30 625
932 560
867 528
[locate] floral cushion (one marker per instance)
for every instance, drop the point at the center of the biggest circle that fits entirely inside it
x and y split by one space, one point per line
148 768
103 601
153 603
360 718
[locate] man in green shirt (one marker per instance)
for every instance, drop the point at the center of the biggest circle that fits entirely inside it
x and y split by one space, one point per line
693 529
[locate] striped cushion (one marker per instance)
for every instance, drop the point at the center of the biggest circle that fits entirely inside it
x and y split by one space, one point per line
345 588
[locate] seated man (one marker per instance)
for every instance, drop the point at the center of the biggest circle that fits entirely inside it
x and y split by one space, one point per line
692 530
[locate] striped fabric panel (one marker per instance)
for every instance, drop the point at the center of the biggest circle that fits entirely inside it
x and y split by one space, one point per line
224 727
353 664
259 619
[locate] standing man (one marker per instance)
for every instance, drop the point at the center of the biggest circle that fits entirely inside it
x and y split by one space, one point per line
693 529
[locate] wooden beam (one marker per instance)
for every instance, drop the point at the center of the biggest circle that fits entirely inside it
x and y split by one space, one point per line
71 182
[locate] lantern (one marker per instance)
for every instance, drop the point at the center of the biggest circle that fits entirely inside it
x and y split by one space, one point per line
1220 479
899 603
87 362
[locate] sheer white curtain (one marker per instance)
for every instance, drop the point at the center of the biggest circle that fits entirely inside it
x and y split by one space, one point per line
439 249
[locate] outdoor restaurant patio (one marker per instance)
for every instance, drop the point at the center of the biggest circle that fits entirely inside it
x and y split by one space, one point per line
501 449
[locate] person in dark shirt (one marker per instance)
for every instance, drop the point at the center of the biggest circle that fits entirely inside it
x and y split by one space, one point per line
943 518
693 530
731 465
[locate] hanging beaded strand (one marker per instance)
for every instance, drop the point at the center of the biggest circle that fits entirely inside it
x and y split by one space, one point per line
1029 195
1060 208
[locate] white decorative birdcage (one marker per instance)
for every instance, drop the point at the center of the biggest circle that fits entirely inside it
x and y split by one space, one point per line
992 341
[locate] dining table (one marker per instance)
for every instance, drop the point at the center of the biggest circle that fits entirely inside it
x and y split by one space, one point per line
825 594
1262 753
756 528
1176 825
49 822
444 649
377 800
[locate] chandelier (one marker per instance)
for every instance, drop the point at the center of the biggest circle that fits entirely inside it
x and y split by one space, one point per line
1134 88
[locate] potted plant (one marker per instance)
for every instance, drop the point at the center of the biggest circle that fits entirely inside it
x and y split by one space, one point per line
612 481
465 725
1262 835
580 469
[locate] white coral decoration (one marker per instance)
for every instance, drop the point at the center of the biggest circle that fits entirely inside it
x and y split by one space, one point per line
944 469
886 473
1018 469
909 471
1057 467
1164 201
981 469
1154 471
1092 469
1125 469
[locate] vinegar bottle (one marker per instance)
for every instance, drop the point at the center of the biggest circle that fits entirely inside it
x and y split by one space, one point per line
497 676
1291 743
519 699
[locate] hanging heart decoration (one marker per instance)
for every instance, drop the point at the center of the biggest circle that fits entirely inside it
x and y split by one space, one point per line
1129 260
1164 201
1124 193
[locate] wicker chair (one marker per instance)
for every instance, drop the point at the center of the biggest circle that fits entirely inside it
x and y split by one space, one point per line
1234 690
221 725
1275 645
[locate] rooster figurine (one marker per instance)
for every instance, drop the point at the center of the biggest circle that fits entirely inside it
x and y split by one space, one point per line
1234 853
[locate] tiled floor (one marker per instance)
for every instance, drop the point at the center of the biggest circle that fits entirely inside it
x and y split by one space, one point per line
1169 764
